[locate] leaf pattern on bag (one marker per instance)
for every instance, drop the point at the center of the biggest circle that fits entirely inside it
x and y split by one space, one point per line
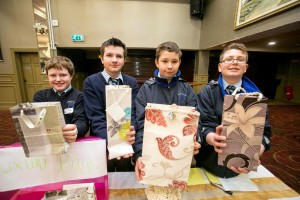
165 144
243 119
155 116
127 113
112 129
115 126
123 130
178 184
191 128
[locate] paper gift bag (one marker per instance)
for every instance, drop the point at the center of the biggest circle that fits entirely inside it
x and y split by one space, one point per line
84 191
70 194
168 144
39 126
243 125
89 189
118 116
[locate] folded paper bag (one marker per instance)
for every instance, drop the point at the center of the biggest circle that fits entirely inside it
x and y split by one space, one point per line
70 194
87 194
168 144
243 125
39 126
118 116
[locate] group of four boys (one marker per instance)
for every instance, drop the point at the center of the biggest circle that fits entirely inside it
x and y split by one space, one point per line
87 109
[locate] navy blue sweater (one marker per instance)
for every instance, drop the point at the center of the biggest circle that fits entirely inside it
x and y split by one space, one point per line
72 98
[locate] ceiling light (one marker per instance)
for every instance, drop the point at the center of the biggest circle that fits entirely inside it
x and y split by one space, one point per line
271 43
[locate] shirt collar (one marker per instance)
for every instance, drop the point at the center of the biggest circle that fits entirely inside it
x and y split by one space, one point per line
65 91
107 76
237 85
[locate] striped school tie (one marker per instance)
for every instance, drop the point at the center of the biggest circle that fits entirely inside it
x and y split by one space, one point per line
113 81
230 89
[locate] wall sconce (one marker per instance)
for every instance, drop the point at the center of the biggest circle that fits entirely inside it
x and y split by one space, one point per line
40 28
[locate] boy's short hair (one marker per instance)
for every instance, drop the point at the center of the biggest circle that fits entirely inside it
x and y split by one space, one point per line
60 62
168 46
113 42
238 46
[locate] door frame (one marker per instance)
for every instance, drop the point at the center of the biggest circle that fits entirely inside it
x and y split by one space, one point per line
17 70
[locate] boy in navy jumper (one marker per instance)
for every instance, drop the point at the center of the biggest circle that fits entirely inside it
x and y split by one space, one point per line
113 53
232 66
60 71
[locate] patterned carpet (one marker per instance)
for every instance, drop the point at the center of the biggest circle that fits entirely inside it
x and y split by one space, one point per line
8 134
283 160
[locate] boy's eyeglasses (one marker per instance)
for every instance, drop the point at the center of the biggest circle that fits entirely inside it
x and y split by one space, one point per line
231 60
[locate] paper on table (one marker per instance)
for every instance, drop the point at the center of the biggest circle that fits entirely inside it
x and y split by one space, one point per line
123 180
242 182
260 173
212 178
197 176
290 198
127 180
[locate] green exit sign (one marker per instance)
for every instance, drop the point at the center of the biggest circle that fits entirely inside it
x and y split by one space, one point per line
77 38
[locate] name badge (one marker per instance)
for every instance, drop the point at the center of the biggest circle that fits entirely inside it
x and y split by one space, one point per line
69 110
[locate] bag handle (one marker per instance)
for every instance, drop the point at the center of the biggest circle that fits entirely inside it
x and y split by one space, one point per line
260 96
27 121
174 108
238 89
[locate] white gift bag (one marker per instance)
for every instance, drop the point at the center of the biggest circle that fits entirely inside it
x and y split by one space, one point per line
168 144
118 116
39 126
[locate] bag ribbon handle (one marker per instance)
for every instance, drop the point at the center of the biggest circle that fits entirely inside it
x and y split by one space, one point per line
37 123
260 96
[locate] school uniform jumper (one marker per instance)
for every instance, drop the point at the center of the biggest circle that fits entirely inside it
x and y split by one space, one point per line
71 99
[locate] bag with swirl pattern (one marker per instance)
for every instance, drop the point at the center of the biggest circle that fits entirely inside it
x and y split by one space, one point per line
168 144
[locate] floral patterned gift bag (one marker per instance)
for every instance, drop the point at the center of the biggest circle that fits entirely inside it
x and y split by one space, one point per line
118 116
168 144
243 124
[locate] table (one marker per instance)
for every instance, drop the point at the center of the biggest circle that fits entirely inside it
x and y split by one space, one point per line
269 187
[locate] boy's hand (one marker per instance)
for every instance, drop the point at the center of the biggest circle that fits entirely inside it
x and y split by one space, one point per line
70 132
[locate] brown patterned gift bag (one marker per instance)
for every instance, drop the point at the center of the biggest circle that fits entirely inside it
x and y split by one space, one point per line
168 144
243 124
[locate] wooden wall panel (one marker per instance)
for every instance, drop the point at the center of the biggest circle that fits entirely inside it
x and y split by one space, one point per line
8 90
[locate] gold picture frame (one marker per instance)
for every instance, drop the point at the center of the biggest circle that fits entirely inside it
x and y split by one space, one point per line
250 11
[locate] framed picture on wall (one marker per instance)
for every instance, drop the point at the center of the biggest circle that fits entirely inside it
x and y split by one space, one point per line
250 11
